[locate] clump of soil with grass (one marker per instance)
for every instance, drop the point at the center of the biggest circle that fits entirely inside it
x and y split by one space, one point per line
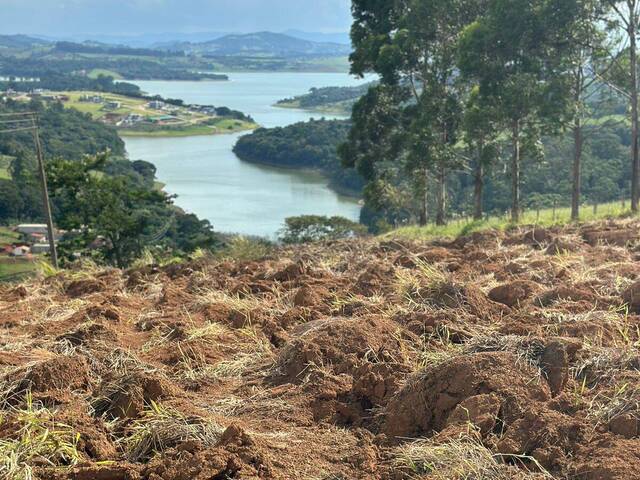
502 355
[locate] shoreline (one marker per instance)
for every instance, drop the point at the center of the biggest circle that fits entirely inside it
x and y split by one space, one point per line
196 131
322 111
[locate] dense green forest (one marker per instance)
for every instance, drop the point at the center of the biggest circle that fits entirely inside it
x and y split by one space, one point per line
494 106
310 145
545 181
59 82
95 195
131 67
339 99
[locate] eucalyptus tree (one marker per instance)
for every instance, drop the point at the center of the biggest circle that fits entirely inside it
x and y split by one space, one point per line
623 17
412 45
587 49
481 135
518 53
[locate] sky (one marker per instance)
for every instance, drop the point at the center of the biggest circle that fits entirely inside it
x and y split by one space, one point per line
127 17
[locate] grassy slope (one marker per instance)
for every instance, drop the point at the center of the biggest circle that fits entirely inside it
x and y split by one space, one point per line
194 130
4 167
96 72
191 123
8 236
336 108
12 269
456 228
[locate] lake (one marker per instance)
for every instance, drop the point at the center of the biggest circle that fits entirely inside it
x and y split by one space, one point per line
213 183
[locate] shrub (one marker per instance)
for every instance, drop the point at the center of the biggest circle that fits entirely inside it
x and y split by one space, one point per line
314 228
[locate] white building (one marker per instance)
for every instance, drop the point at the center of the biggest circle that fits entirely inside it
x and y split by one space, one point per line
40 248
29 228
20 251
156 105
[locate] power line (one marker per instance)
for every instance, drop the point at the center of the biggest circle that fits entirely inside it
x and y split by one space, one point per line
19 114
18 120
32 118
22 129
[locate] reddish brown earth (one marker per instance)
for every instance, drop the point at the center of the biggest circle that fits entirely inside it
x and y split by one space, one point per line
328 362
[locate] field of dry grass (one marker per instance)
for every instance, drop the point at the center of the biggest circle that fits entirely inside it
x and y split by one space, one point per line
498 355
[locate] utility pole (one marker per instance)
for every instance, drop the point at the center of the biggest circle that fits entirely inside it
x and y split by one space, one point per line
28 121
45 193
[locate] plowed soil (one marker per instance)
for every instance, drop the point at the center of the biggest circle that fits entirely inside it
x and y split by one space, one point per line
499 355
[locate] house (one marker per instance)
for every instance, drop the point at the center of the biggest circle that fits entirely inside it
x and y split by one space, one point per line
92 99
30 228
156 105
40 248
20 251
130 119
36 238
111 105
206 110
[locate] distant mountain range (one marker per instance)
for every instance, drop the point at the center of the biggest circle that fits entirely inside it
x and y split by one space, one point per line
147 40
265 44
342 38
259 44
20 41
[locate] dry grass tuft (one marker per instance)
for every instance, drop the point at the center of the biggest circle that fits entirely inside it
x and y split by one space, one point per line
625 400
40 440
410 284
606 365
527 349
254 350
161 428
464 458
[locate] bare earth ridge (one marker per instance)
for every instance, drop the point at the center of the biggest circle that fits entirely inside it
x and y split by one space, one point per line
495 356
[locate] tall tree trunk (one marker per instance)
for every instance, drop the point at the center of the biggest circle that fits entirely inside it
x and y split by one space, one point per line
633 51
442 196
478 183
577 169
515 174
424 194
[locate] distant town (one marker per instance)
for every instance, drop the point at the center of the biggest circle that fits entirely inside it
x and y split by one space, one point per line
141 116
32 239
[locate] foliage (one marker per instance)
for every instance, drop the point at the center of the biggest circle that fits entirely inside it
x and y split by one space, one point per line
314 228
64 132
39 440
303 145
56 68
114 219
327 98
242 248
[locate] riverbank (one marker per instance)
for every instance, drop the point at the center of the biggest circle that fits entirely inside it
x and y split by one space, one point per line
211 181
225 127
333 109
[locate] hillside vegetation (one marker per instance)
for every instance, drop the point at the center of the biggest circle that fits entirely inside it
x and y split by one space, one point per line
310 145
263 44
337 100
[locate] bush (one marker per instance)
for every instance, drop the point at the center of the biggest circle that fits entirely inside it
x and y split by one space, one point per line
314 228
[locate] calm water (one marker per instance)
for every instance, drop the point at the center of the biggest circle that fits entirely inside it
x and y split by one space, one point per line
213 183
